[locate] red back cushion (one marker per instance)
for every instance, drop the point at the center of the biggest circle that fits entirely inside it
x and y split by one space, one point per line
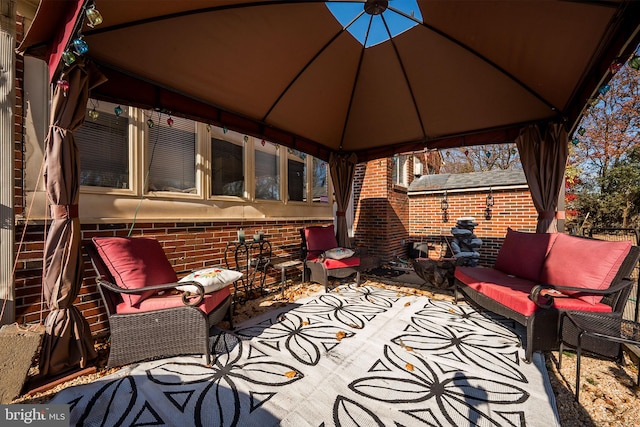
523 254
584 263
320 238
135 263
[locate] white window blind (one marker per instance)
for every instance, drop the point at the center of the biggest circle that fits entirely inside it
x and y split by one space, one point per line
171 156
103 143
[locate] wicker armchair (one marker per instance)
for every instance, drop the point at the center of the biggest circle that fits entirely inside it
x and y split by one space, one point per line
315 241
167 323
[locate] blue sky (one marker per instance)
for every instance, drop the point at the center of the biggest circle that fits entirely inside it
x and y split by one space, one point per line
345 12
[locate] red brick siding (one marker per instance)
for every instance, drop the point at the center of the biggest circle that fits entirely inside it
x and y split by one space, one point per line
381 210
18 195
512 208
189 246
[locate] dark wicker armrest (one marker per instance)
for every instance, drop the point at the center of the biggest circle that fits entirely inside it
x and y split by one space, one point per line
187 297
536 291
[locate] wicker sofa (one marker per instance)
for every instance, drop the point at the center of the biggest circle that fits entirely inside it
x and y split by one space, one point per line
538 276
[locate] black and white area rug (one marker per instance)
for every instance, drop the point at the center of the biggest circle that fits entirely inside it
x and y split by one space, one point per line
358 356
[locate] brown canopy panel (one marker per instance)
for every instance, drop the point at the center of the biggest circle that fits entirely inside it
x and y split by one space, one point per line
471 72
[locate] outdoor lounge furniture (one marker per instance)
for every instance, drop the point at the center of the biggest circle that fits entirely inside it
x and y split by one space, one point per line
148 316
600 331
318 244
538 276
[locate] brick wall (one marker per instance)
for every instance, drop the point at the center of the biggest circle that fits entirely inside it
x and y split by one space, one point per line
381 210
189 246
512 208
19 123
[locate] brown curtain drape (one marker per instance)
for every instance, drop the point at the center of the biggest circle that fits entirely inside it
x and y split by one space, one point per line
343 168
67 342
543 152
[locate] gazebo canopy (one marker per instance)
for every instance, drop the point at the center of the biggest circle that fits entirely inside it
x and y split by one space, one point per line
454 73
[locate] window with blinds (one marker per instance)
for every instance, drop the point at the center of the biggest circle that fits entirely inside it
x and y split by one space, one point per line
267 171
297 175
103 143
320 181
171 156
227 168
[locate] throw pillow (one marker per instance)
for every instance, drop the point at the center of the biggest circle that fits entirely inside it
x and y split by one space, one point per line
212 279
523 254
339 253
320 238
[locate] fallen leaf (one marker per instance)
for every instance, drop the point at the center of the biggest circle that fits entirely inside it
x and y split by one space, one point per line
340 335
407 304
409 367
290 374
305 323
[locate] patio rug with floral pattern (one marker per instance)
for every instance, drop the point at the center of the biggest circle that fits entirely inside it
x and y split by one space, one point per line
358 356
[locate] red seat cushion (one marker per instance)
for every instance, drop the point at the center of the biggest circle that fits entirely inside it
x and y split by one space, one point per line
329 263
135 263
513 292
161 302
523 254
583 263
341 263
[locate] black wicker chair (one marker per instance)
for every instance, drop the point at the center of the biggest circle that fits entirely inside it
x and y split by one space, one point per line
159 333
314 242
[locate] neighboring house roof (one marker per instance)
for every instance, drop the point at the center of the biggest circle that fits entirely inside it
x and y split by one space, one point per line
464 181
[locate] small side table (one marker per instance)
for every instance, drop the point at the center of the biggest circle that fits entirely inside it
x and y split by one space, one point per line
251 257
283 264
606 326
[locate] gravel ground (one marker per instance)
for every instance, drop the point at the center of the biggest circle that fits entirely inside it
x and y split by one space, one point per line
609 395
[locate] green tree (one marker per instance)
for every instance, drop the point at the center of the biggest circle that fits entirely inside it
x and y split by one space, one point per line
604 157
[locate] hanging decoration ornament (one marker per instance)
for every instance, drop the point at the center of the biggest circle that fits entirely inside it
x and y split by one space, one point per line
466 153
64 86
246 138
225 130
208 127
170 121
93 114
593 102
616 65
263 142
514 151
150 123
635 62
488 154
68 57
575 141
118 110
604 89
581 131
94 18
80 46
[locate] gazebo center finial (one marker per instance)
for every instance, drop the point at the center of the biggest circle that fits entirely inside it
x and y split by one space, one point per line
375 7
